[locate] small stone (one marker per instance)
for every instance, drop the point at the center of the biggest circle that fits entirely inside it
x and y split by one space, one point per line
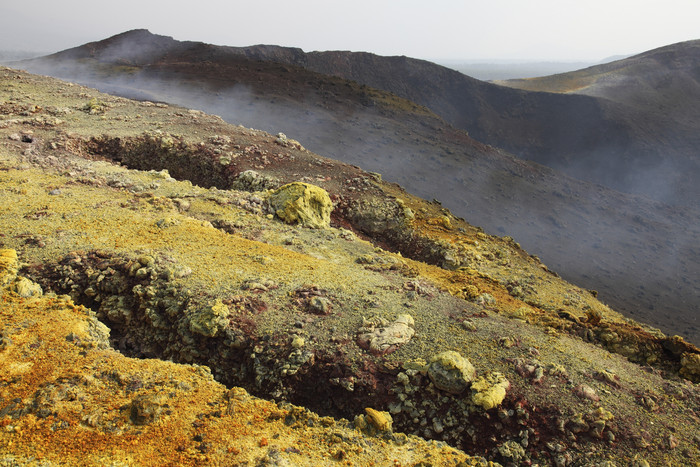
320 305
607 376
586 392
597 428
26 288
381 420
236 396
146 260
167 222
601 414
146 409
577 424
507 342
451 372
521 313
402 378
485 299
512 451
385 338
672 442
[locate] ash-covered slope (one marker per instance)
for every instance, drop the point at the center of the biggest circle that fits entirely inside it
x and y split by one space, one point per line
641 137
637 253
463 338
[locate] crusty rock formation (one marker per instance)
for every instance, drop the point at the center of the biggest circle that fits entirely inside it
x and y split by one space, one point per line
114 410
302 203
451 372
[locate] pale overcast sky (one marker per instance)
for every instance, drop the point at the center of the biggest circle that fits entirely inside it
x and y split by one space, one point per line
430 29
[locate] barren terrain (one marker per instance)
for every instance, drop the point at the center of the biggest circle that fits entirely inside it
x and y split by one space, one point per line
139 232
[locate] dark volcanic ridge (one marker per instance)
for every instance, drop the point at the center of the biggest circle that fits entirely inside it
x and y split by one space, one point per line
639 254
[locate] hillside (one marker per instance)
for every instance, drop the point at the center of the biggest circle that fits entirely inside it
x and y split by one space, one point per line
647 148
661 89
640 255
167 234
643 141
667 78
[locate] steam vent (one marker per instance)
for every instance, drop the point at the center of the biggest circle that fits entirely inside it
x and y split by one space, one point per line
178 290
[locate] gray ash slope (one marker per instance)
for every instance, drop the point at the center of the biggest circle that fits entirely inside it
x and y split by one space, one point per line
640 254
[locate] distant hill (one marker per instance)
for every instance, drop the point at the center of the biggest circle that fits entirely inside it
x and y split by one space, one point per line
659 77
502 70
662 86
660 89
639 254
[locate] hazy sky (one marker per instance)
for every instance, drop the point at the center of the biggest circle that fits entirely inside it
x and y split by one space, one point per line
429 29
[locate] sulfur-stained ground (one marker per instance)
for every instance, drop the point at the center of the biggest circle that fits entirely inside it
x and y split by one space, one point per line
187 267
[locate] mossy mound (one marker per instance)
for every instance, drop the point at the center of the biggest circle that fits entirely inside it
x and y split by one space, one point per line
490 390
451 372
304 204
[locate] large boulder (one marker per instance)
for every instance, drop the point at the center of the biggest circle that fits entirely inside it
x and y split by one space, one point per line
302 203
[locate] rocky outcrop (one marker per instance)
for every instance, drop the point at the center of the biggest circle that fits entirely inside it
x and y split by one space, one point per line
451 372
302 203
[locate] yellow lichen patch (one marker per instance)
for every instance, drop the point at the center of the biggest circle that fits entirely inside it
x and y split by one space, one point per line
8 266
74 397
381 420
489 391
456 282
211 320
